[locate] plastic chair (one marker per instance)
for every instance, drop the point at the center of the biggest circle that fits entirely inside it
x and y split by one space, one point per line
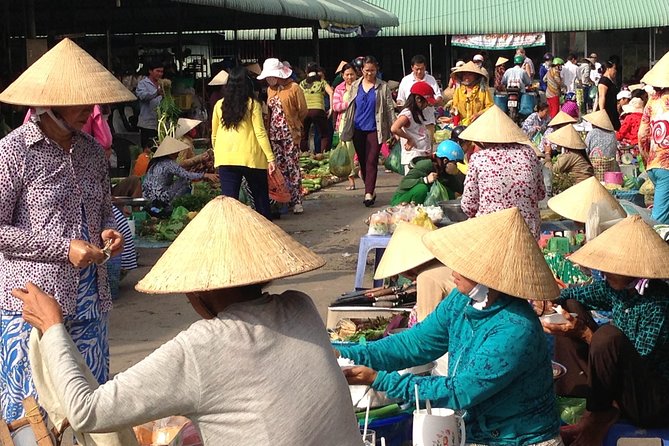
367 243
623 430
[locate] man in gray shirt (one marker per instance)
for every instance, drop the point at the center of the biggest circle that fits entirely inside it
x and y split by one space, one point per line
150 93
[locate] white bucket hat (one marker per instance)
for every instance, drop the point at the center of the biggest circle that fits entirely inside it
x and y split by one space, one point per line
274 68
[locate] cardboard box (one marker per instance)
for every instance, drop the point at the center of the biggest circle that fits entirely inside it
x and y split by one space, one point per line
337 313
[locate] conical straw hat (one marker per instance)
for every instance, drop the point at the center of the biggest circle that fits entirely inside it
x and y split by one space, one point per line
567 137
405 251
562 118
494 126
658 76
185 125
227 245
575 202
599 119
220 79
169 146
254 68
66 75
629 248
470 67
501 61
340 66
496 250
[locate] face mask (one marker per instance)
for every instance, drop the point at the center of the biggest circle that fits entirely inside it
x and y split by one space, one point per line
479 293
59 122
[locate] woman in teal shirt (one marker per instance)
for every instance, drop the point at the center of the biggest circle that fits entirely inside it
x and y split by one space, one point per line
499 368
621 368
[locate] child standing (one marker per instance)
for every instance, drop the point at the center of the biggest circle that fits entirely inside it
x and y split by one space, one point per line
410 124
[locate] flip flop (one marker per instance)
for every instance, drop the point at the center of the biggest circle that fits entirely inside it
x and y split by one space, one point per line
350 187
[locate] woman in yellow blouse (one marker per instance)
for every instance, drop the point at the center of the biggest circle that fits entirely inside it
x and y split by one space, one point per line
472 96
241 145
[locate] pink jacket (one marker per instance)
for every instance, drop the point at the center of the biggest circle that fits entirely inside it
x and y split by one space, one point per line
339 105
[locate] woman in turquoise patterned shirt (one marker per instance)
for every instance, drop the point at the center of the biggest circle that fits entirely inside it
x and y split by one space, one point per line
621 368
499 369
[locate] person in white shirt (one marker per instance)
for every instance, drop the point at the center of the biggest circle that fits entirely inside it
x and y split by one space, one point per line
595 74
478 60
419 73
517 75
570 73
410 125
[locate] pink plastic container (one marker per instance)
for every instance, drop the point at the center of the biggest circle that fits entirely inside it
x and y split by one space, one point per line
613 177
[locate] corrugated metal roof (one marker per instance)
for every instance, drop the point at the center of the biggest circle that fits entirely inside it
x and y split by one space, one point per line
439 17
447 17
354 12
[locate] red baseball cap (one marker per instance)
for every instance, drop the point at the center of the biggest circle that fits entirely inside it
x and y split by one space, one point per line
423 89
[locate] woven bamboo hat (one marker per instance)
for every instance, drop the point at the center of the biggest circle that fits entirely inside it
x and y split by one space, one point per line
470 67
220 79
629 248
567 137
340 66
66 75
562 118
254 68
494 126
501 61
227 245
185 125
393 85
599 119
496 250
169 146
575 202
405 251
658 76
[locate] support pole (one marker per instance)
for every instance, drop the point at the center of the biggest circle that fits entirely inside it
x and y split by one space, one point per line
431 69
314 37
404 72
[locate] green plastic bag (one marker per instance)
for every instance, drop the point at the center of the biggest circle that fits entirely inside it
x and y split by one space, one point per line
571 409
394 160
438 193
341 163
537 140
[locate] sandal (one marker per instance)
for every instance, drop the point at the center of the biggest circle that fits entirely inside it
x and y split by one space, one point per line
350 187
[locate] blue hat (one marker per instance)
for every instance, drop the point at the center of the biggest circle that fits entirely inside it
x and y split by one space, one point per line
451 150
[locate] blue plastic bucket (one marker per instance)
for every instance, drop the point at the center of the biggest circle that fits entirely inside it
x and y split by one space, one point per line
501 100
397 430
527 103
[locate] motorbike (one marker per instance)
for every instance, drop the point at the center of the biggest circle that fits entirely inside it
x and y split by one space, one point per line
513 91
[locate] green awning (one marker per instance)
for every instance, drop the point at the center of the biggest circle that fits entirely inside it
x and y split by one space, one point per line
353 12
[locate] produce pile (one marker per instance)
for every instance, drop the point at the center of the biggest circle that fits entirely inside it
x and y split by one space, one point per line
184 209
316 172
369 329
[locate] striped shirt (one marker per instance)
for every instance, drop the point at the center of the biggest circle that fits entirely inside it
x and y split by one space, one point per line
129 254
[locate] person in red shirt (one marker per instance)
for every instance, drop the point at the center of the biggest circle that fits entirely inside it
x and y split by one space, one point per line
631 120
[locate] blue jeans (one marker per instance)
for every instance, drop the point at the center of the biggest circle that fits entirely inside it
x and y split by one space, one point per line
660 178
231 181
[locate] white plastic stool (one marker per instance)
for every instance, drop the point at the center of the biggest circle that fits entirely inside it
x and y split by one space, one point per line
367 243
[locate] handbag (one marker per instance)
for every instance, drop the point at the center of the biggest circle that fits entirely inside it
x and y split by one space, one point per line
278 190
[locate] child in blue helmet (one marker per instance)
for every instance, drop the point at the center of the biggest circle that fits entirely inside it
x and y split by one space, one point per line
442 166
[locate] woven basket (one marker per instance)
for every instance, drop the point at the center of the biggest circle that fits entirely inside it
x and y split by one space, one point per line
601 165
